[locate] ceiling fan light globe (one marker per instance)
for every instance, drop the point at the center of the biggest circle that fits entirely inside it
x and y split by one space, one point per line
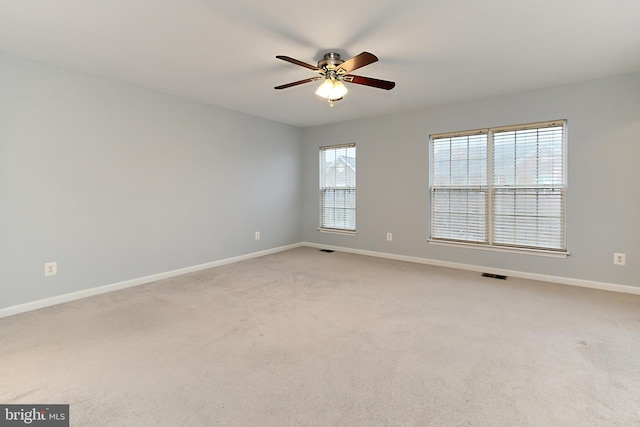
331 89
339 90
325 89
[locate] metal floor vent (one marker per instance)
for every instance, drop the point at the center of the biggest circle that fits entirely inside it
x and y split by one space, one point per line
494 276
326 250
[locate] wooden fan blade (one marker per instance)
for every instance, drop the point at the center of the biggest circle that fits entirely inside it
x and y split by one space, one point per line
368 81
358 61
300 63
299 82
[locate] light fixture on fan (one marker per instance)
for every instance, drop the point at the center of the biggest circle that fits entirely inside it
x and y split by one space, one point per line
332 89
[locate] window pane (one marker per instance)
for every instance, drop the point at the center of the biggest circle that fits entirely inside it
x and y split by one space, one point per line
477 172
459 161
459 214
529 157
338 167
441 173
338 208
529 217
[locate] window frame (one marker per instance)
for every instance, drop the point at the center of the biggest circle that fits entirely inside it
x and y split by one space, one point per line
490 188
332 228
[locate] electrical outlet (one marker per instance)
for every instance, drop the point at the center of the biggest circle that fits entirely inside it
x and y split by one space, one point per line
389 236
257 235
619 258
50 268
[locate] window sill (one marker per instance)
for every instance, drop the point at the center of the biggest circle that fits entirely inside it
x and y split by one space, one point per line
521 251
335 231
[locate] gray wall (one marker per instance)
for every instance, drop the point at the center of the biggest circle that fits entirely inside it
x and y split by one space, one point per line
116 182
603 211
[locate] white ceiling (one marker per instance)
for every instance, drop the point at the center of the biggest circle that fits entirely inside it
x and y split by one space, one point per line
223 52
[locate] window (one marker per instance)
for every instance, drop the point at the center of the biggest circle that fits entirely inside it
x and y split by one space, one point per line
502 187
338 187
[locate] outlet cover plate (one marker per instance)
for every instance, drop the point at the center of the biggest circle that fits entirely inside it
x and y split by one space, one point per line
50 268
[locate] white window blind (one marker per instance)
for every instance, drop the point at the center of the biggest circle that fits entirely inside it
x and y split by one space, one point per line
501 187
459 187
338 187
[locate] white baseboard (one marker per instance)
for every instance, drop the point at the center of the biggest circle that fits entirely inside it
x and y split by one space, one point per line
613 287
16 309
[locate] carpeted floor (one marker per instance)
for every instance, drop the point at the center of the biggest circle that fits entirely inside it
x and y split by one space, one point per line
306 338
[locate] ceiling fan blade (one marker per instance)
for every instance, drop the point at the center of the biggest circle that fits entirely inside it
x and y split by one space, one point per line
300 63
299 82
358 61
368 81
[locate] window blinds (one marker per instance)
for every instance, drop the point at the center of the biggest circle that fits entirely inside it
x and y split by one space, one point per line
338 187
528 194
502 186
459 188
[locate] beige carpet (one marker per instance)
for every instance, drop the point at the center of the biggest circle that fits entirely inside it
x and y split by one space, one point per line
306 338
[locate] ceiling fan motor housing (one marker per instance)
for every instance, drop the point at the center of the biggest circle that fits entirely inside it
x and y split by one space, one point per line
331 61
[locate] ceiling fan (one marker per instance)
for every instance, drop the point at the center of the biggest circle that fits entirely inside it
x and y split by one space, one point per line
335 71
